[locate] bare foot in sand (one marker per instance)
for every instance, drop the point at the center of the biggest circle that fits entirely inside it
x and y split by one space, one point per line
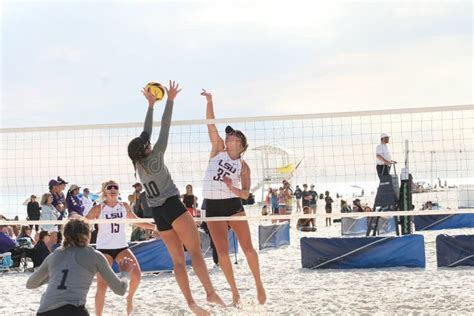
198 310
261 295
236 300
215 299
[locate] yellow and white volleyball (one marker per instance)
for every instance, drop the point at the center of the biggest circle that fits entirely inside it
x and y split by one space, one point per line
156 89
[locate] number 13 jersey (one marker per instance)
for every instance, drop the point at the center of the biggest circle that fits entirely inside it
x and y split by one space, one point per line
112 235
221 166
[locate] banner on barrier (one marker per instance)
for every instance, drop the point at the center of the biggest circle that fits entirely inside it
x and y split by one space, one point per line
153 256
354 226
435 222
206 243
363 252
454 251
358 226
273 236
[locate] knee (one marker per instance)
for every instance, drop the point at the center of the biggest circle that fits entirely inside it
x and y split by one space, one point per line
248 249
223 252
179 263
195 253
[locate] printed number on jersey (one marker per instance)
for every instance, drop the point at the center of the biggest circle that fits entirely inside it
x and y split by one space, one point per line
151 189
63 286
114 228
221 174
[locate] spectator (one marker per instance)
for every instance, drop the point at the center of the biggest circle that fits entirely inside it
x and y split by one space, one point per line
24 239
7 241
428 206
134 199
94 234
74 203
86 201
41 248
313 203
345 208
306 224
190 200
298 196
328 199
357 207
58 200
383 156
138 234
274 201
264 211
215 256
288 192
367 209
49 213
268 197
281 203
145 207
33 210
305 196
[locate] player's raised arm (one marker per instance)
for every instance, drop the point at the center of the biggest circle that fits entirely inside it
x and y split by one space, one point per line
162 142
216 141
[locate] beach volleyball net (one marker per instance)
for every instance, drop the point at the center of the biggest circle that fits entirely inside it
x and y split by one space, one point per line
333 151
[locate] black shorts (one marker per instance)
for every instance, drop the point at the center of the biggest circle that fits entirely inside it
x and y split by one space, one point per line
167 213
69 309
112 252
224 207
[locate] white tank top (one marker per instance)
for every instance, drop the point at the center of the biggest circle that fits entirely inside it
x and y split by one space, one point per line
112 235
219 167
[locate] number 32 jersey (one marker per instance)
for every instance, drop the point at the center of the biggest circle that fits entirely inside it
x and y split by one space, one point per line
221 166
112 235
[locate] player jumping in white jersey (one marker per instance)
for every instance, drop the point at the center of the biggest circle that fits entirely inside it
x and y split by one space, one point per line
226 182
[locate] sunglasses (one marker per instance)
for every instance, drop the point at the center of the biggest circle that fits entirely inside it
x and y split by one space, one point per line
112 187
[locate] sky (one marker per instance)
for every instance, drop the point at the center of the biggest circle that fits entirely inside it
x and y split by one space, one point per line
85 62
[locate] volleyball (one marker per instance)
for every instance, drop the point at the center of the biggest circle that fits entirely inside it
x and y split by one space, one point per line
156 89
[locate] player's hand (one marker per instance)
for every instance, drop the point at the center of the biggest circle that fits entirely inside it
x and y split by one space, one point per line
149 96
393 162
207 94
126 265
172 90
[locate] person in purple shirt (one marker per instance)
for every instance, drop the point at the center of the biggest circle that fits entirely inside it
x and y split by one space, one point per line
58 200
7 243
62 198
74 203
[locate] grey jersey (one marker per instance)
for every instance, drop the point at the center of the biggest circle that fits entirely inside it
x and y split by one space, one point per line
69 275
153 173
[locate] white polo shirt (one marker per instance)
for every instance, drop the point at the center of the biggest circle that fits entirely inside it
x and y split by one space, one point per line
382 150
87 202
